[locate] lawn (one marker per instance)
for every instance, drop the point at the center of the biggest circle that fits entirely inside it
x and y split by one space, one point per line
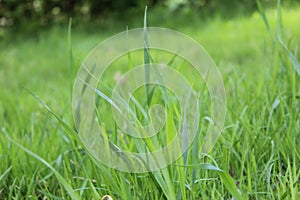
258 148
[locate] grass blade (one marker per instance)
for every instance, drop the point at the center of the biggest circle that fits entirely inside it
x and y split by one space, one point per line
130 65
5 173
295 63
263 15
71 57
293 59
71 133
146 56
59 177
225 177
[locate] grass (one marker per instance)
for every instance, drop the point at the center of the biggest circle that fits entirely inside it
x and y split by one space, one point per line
259 147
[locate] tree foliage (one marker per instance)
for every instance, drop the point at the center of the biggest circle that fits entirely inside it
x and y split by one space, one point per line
14 12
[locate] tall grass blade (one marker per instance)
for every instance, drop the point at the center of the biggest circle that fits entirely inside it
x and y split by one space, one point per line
71 57
89 76
146 56
263 15
130 66
70 131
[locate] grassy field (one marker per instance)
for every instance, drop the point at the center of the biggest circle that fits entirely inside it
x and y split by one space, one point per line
259 147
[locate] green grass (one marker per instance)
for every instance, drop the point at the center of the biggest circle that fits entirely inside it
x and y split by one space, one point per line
259 147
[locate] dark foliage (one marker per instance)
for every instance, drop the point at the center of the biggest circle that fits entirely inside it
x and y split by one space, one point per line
42 12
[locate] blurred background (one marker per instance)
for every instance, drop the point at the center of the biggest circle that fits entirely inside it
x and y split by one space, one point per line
30 15
38 52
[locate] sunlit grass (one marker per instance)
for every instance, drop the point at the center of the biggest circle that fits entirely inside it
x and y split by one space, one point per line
259 147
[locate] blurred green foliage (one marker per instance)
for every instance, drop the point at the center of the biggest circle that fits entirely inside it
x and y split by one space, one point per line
43 12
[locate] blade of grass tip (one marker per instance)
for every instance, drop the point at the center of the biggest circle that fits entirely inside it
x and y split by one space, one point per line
150 92
83 186
102 95
5 173
146 55
128 54
59 177
70 132
88 77
161 82
225 177
172 60
71 58
263 15
274 106
95 193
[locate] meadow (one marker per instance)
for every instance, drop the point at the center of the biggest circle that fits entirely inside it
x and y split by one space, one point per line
256 157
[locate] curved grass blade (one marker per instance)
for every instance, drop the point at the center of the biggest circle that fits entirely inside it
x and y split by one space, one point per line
225 177
5 173
59 177
70 131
